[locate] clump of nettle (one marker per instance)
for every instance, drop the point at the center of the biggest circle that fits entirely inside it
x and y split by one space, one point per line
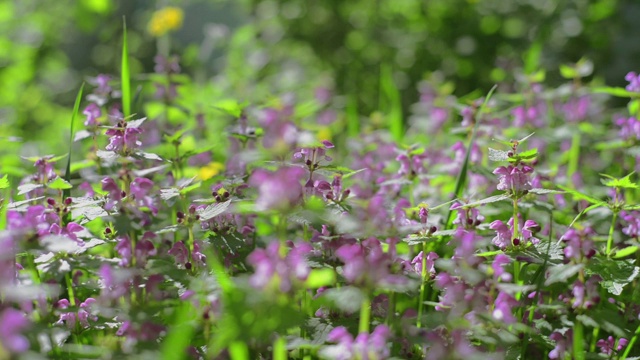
282 243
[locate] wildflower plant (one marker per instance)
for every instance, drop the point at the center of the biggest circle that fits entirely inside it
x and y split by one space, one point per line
244 232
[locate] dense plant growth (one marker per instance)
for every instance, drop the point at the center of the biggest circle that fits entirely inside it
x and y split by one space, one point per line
185 224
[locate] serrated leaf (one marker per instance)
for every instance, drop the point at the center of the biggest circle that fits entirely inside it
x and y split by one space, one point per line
4 182
26 188
148 156
136 123
213 210
616 274
59 184
107 155
545 191
562 273
488 200
580 196
624 182
80 135
167 194
498 155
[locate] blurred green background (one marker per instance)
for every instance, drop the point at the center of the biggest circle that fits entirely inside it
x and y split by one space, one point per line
252 49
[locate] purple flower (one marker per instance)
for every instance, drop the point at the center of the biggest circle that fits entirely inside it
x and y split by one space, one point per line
586 295
634 81
280 190
503 236
609 345
578 244
633 223
629 128
69 231
12 324
513 178
563 344
93 112
430 263
499 273
140 189
180 252
365 346
123 139
533 115
504 233
502 308
273 267
367 265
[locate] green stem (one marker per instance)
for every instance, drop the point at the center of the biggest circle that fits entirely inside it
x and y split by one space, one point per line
627 350
594 340
365 315
391 311
279 349
611 229
191 243
578 341
423 281
72 297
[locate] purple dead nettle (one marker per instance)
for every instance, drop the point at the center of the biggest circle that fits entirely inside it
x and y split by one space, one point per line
365 346
563 344
123 138
279 267
609 345
279 190
632 218
578 244
634 81
367 265
505 233
13 324
79 319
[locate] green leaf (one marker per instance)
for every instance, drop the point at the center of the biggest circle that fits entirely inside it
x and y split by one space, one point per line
544 191
562 273
629 250
213 210
498 155
180 332
580 196
615 91
76 108
616 274
320 277
394 103
568 72
527 155
125 76
59 184
624 183
4 182
462 175
488 200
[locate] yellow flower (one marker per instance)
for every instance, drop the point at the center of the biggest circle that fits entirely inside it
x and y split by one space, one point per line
210 170
165 20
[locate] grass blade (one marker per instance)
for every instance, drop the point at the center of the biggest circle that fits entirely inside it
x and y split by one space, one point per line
76 107
125 77
393 104
462 175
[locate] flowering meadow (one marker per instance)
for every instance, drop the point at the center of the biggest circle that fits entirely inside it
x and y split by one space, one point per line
185 223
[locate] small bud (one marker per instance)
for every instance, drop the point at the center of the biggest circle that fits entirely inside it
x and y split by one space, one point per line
516 241
180 215
123 194
225 194
591 253
433 229
308 162
68 201
345 194
51 202
510 154
218 198
107 230
470 221
477 222
188 266
192 209
197 217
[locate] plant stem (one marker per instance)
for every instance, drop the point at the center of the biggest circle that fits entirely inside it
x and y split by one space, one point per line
365 315
423 275
611 229
594 339
578 341
627 350
279 349
72 297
